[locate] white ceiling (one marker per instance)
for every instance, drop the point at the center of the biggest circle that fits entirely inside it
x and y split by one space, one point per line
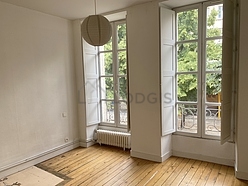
75 9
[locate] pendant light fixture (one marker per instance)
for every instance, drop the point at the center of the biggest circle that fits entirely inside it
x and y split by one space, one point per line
96 29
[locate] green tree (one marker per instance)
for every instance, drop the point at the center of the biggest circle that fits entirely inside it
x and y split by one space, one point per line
122 63
188 58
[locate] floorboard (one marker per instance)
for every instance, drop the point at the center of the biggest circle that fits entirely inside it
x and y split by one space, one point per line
106 165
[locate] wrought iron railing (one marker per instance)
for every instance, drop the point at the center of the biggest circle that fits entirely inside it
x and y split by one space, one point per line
187 119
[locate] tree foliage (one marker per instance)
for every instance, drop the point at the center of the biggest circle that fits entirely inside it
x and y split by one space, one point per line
187 55
121 67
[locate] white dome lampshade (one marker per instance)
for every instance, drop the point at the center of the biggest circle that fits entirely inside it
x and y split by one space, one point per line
96 30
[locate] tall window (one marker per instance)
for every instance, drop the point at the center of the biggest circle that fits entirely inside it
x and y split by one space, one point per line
199 64
113 78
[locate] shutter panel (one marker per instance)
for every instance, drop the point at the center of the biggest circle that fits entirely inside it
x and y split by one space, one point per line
167 28
227 70
92 97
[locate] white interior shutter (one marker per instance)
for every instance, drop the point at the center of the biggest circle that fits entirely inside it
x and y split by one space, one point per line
92 98
228 59
167 26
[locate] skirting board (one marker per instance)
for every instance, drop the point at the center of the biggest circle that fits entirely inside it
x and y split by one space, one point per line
28 162
241 175
150 156
200 157
86 144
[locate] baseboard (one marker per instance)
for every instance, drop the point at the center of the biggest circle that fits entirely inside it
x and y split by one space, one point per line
87 144
166 156
30 161
241 175
149 157
228 162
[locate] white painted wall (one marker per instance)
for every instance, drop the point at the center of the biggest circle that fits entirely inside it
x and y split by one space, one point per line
203 149
37 84
80 80
144 80
86 132
242 120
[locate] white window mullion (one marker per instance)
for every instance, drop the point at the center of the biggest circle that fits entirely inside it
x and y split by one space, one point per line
203 68
213 38
187 41
115 72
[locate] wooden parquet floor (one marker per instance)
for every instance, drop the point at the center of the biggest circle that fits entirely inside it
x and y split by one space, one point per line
106 165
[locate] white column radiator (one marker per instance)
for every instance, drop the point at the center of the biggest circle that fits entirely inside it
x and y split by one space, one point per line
114 138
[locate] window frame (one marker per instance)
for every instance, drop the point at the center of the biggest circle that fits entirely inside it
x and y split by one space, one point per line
198 41
201 67
204 60
115 75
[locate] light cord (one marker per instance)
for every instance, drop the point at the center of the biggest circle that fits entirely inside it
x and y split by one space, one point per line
95 7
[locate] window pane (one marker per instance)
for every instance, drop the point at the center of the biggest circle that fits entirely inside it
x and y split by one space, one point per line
106 63
121 31
107 111
187 118
187 87
107 88
187 25
214 20
123 112
213 120
107 46
122 58
187 57
213 84
123 88
214 54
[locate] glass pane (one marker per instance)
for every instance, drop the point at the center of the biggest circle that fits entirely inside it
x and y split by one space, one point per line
214 54
108 111
187 57
121 31
106 63
123 112
107 88
213 84
122 58
214 20
187 118
107 46
213 120
187 25
187 87
123 88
